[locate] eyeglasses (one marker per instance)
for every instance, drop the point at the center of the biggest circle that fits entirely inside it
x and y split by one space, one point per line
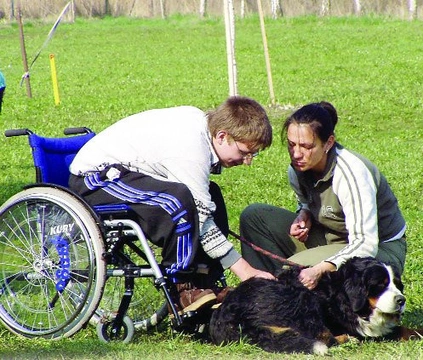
246 155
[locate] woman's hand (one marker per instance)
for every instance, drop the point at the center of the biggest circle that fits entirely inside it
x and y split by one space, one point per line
301 226
310 277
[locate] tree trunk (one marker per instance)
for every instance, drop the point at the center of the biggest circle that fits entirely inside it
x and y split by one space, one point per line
412 9
276 8
203 7
325 8
357 7
163 8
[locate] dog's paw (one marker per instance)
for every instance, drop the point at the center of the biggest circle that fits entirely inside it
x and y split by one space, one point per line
344 338
320 348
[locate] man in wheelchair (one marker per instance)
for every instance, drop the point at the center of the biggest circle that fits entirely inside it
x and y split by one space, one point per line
159 162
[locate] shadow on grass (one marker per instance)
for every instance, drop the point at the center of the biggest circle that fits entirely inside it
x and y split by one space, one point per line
413 319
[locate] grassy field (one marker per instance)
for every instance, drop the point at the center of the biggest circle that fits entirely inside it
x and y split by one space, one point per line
371 69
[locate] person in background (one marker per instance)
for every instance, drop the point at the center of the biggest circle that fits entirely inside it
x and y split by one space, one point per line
159 162
2 89
346 206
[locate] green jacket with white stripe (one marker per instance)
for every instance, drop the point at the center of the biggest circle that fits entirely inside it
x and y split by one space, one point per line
352 201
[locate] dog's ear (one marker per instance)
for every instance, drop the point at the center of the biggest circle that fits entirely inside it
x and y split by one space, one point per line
357 296
354 288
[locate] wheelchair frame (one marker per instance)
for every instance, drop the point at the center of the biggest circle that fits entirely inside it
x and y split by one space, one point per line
64 264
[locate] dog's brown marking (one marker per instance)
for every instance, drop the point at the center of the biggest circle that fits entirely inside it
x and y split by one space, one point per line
278 329
326 337
373 302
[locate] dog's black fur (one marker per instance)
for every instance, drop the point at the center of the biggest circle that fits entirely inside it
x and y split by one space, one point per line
362 299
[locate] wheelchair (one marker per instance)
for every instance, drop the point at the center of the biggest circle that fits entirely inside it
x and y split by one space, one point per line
64 264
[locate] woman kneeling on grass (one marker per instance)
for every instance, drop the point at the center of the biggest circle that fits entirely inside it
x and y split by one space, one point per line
346 207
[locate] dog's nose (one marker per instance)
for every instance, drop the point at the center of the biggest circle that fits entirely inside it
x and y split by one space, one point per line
400 300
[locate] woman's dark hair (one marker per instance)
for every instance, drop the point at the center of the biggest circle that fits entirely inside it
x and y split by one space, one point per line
322 118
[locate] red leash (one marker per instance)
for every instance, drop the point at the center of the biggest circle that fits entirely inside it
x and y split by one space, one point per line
265 252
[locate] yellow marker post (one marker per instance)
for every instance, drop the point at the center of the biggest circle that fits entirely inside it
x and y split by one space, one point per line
54 80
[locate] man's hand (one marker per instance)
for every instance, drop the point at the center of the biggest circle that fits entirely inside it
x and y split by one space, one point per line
244 271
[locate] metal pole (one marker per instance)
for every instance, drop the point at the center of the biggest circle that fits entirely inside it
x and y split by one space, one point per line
230 46
23 51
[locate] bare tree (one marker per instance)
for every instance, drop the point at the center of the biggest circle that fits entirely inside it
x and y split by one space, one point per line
151 8
163 8
132 8
412 9
203 6
405 9
357 7
276 8
325 8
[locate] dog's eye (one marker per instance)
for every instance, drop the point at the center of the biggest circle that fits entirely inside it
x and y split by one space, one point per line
377 289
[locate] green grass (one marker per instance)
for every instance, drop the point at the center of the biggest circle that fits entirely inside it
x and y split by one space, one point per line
370 68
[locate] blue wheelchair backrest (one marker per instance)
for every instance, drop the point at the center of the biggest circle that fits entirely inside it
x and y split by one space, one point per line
52 156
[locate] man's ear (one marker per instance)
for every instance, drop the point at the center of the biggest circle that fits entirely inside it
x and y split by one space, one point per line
221 135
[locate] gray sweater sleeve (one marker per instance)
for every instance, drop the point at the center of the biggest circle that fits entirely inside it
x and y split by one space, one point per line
214 243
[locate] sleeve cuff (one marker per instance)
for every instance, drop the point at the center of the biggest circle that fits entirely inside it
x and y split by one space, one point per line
230 258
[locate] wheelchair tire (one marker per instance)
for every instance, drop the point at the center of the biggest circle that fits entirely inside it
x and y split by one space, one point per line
52 271
106 333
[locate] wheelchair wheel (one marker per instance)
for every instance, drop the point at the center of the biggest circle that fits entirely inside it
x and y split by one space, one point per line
105 331
51 269
148 307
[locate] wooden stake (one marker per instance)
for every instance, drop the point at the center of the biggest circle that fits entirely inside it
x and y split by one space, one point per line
266 53
54 80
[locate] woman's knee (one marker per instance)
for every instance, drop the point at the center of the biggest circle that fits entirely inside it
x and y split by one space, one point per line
253 217
267 214
250 212
259 211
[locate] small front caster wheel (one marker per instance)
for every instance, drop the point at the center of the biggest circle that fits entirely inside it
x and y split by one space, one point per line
107 333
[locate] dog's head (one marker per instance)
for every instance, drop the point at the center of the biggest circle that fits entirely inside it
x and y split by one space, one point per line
375 294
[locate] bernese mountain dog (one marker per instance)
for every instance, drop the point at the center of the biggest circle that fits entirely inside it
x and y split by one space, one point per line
363 299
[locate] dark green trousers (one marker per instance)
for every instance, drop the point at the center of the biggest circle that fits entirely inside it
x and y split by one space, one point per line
268 227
